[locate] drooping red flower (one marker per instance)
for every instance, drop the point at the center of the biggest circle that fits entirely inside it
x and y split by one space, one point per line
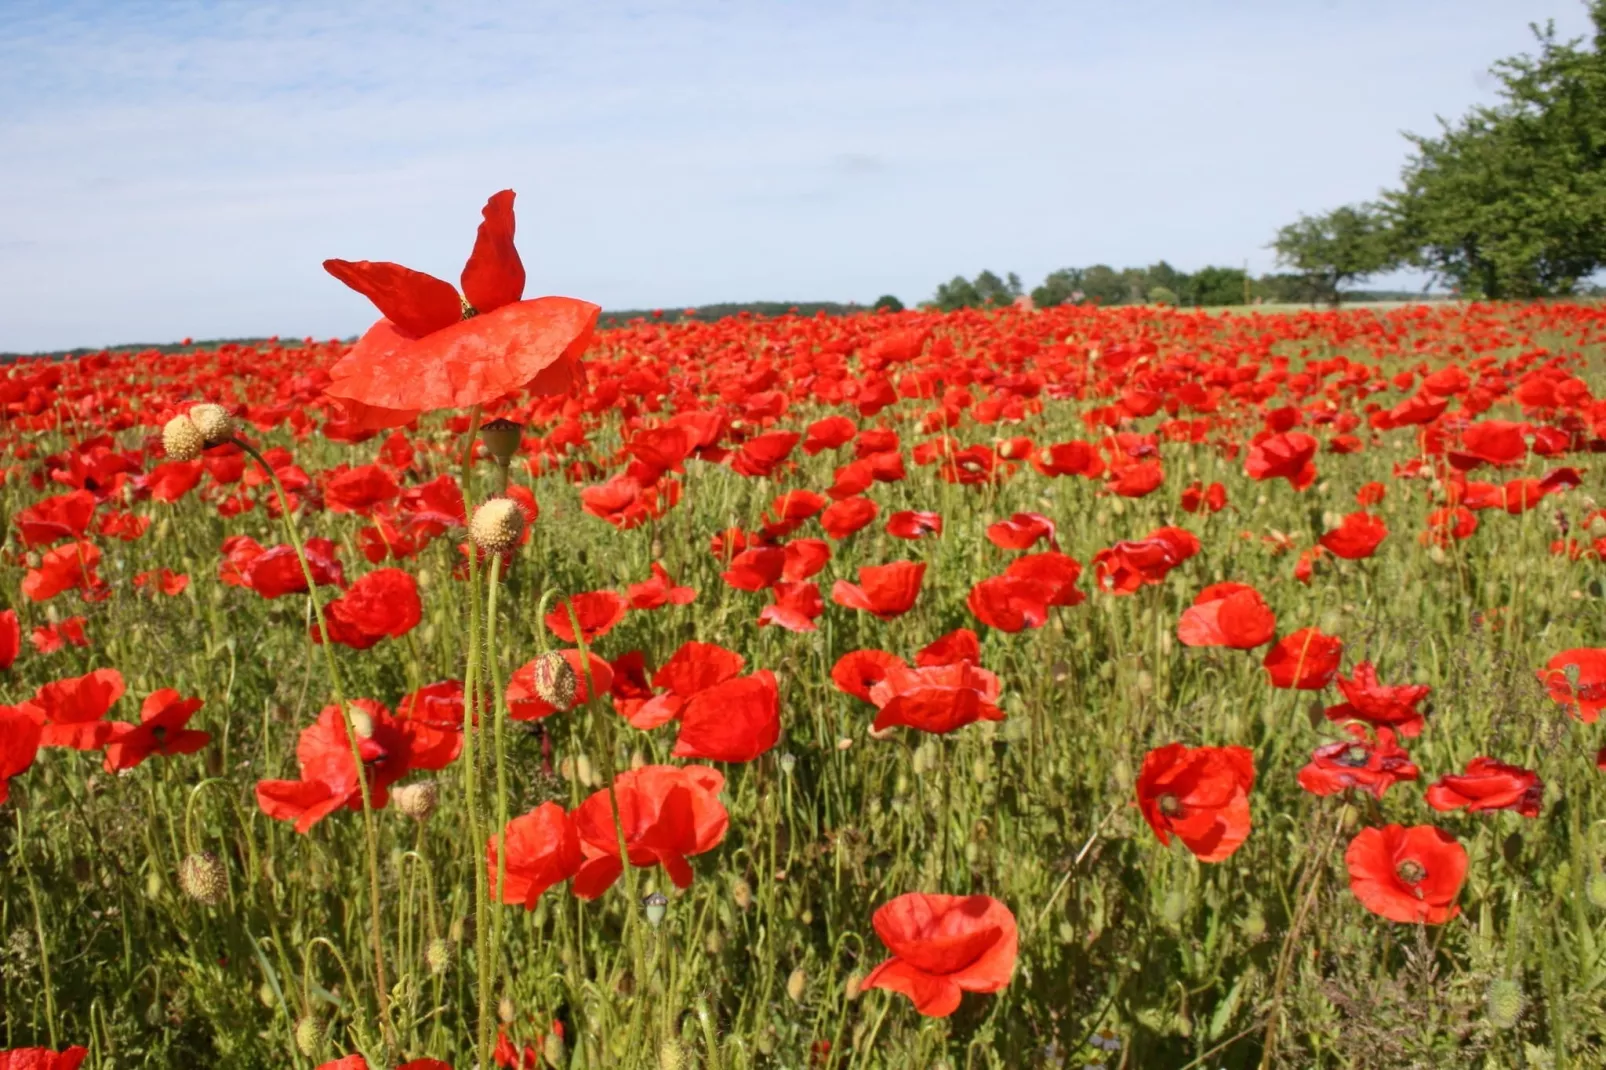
668 814
756 568
1199 795
959 645
1010 603
1577 679
597 612
383 603
1407 874
1232 615
543 849
943 946
1287 455
72 710
436 350
888 590
1488 785
1377 703
1358 537
161 730
913 525
1305 660
659 591
935 698
1054 573
19 744
1370 766
390 748
592 675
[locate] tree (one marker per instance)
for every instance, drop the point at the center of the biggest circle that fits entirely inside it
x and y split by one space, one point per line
956 293
1212 285
1330 250
1103 284
993 290
1058 287
888 303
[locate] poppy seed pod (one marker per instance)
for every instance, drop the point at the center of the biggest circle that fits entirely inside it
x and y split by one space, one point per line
182 440
556 682
418 800
437 956
671 1054
201 876
309 1035
501 439
497 525
1505 1003
213 422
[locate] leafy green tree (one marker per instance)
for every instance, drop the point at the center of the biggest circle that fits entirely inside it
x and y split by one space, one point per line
1105 285
1058 287
888 302
1160 295
1341 246
1213 285
993 290
958 292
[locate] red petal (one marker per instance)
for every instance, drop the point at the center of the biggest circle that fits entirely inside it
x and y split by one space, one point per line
415 302
494 275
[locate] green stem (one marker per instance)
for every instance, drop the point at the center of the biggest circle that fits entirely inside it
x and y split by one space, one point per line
39 933
500 701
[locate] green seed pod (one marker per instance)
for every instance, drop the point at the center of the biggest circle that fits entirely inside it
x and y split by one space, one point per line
437 956
671 1054
309 1035
1505 1003
201 876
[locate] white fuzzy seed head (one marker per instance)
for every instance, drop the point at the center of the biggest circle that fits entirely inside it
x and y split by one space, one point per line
497 525
213 422
182 440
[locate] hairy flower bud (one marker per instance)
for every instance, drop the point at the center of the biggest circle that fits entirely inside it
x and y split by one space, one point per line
437 956
555 680
417 800
309 1035
182 440
497 525
201 876
213 422
1505 1002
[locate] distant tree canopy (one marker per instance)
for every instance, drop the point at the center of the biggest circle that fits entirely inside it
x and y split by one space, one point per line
1100 284
1507 202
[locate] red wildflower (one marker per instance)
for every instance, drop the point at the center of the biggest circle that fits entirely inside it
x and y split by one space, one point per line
843 518
383 603
436 350
942 946
1489 785
63 569
694 668
857 671
47 639
1306 660
1370 494
1131 564
1283 455
165 580
1232 615
667 813
43 1058
732 721
72 710
1198 498
1357 537
796 607
935 698
1020 531
19 744
1379 704
912 525
888 590
1357 763
596 611
1577 678
524 702
1200 795
761 455
10 638
63 516
1407 874
659 591
543 849
161 730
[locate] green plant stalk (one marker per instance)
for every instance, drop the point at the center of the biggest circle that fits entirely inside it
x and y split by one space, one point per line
39 933
500 702
370 831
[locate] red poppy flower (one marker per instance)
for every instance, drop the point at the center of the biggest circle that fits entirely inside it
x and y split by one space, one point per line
390 748
659 591
694 668
19 744
1443 525
436 350
1200 795
47 639
802 558
1357 763
1379 704
761 455
961 644
1011 602
796 607
1020 531
1232 615
72 710
888 590
275 572
756 568
830 433
383 603
843 518
1496 442
1198 498
732 721
1136 480
162 717
165 580
1407 874
543 849
935 698
1370 494
1074 458
592 675
170 481
64 568
668 814
1306 660
43 1058
857 671
597 612
438 704
912 525
10 638
1131 564
1357 537
359 490
1489 785
942 946
1577 678
1283 455
62 516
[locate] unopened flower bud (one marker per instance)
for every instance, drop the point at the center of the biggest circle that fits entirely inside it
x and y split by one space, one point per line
182 440
1505 1002
1596 890
504 1010
309 1035
362 725
795 985
417 800
741 894
556 682
437 956
497 525
201 876
554 1051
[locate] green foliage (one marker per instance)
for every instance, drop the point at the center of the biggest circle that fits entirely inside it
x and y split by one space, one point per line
1058 288
888 303
1160 295
1341 246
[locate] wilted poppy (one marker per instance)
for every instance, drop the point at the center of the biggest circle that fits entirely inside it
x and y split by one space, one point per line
1407 874
1488 785
1198 794
943 946
1377 703
1370 766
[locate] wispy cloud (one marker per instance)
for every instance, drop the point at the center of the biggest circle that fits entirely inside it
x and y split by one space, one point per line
183 168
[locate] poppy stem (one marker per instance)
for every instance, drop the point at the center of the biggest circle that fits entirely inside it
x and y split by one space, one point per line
370 832
500 700
39 931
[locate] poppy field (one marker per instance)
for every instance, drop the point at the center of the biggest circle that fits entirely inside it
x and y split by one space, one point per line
1063 688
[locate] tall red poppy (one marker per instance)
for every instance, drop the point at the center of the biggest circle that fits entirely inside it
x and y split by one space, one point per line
1305 660
935 698
1200 795
1407 874
161 730
1488 785
597 612
1232 615
943 946
659 591
1357 537
1377 703
543 849
1287 455
732 721
435 349
667 813
888 591
72 710
19 745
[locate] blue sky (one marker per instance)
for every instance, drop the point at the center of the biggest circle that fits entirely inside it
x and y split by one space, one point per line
182 168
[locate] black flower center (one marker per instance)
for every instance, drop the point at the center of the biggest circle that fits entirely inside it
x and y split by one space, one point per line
1170 805
1410 871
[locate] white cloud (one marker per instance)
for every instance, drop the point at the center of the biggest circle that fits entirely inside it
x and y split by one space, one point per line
178 169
